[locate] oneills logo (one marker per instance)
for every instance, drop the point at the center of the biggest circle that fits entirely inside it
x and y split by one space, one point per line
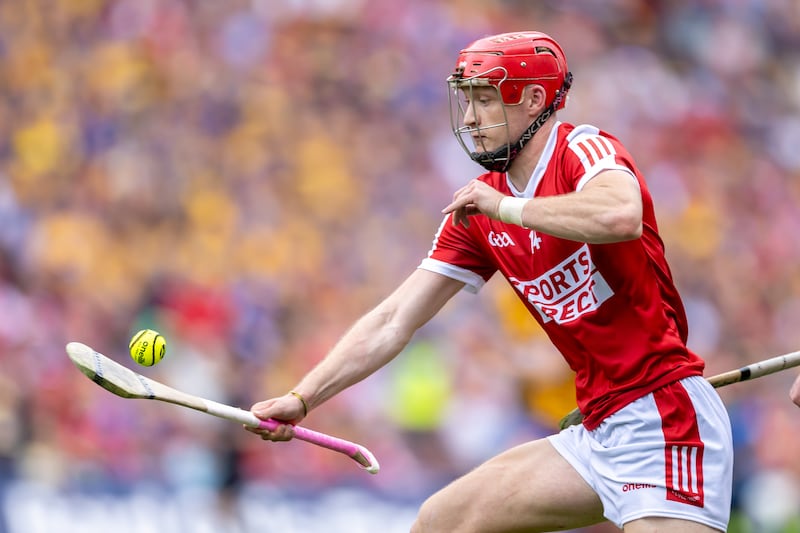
570 289
628 487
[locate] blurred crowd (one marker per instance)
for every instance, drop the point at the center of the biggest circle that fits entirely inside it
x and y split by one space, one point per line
250 176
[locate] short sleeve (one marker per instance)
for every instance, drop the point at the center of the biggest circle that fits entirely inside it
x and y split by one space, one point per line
456 254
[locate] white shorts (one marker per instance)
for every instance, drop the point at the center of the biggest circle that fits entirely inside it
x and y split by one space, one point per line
667 454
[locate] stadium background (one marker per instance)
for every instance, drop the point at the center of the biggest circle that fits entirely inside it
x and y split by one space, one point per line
249 177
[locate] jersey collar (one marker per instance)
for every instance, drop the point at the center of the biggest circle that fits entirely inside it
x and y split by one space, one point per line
541 166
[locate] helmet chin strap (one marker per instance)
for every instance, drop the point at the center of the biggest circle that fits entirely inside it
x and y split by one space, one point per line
500 160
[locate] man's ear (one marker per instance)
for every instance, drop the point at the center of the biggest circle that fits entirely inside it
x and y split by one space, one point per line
535 99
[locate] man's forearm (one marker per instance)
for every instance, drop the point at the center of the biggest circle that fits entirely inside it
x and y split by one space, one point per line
369 345
594 215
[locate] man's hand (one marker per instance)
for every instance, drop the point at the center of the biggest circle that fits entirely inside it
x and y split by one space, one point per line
474 198
286 408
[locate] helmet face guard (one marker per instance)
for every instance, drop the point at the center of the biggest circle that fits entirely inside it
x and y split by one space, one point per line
461 92
509 63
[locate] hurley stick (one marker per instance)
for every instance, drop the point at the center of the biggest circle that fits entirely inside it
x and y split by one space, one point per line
126 383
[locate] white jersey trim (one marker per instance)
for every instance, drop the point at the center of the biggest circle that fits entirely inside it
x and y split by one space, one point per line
472 281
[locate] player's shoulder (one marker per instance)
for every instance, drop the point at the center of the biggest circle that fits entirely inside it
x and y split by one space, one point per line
588 142
573 134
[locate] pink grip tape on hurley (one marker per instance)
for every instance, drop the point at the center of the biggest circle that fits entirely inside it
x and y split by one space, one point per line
355 451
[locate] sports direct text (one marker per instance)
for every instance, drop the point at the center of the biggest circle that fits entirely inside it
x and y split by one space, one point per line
568 290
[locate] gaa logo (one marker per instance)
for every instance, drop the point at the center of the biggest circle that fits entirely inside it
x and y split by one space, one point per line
500 240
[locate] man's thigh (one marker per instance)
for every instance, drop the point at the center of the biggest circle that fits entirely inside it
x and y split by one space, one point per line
528 488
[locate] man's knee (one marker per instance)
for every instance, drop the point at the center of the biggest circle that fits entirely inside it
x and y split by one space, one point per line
423 522
437 515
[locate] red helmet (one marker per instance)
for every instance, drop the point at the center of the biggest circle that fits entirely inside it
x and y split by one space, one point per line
510 61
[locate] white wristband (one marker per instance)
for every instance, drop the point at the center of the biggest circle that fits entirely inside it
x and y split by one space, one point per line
510 210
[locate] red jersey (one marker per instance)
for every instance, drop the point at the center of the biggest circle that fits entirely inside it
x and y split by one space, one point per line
612 310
